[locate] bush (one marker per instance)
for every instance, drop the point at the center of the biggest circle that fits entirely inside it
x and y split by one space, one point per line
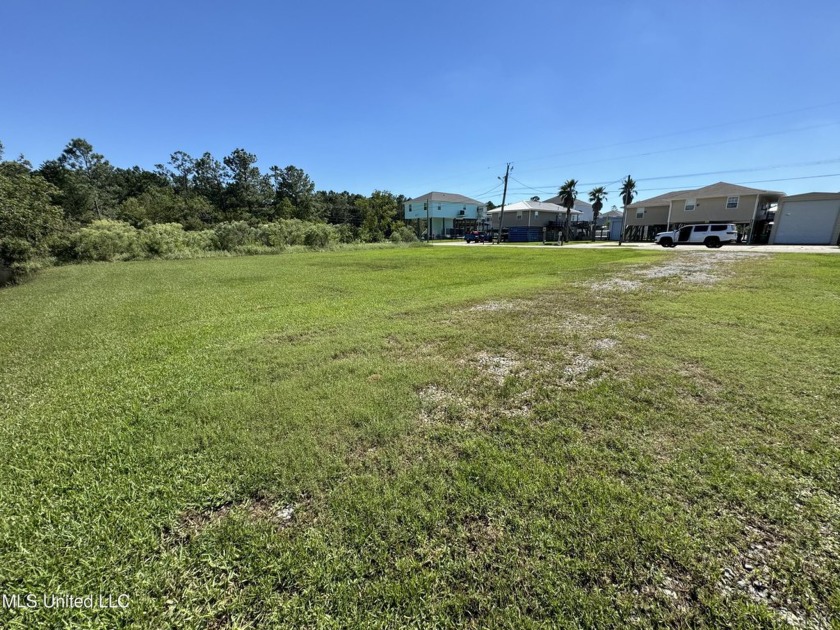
403 234
235 234
346 233
108 240
202 241
288 232
319 236
273 235
165 240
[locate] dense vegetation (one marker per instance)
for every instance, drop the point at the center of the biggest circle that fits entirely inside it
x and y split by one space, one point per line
79 207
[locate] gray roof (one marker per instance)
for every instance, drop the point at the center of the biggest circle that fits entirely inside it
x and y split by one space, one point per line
442 196
721 189
539 206
580 204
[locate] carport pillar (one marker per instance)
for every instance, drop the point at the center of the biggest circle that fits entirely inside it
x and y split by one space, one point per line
752 223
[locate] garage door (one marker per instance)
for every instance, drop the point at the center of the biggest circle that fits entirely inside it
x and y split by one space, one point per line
807 222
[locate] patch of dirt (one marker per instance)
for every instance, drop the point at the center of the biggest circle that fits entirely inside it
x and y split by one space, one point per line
192 523
699 268
499 367
605 344
751 574
617 284
439 405
481 533
492 306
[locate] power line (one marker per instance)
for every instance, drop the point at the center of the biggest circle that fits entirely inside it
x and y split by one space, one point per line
763 181
751 169
693 146
658 137
487 192
686 131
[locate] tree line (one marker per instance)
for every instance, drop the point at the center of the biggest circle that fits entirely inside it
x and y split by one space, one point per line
51 212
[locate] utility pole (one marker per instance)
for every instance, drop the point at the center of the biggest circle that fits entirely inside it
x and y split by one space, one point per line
502 211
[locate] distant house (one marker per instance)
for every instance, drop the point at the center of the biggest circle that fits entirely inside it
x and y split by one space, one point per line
611 215
584 210
449 214
530 214
809 219
751 209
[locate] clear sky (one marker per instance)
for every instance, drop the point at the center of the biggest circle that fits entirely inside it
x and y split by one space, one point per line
413 97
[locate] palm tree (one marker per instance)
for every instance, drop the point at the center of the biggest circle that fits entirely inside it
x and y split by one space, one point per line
597 196
628 191
567 196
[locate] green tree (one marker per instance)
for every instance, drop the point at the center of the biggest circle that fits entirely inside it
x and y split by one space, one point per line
568 194
88 179
164 205
247 189
208 179
597 196
339 207
295 186
378 212
27 217
179 171
127 183
628 192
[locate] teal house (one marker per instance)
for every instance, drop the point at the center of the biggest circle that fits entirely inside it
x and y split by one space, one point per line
448 214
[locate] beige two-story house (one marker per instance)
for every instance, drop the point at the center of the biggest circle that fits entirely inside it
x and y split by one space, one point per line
751 209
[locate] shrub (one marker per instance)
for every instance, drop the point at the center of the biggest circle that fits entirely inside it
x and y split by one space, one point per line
346 233
202 241
273 235
403 234
235 234
319 236
284 232
108 240
165 240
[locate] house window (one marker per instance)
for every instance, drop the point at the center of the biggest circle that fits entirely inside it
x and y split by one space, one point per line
438 207
518 215
462 212
409 207
640 213
536 213
690 204
731 202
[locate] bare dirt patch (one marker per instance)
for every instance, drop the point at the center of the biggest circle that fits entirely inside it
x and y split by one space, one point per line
698 268
193 523
440 405
499 367
752 574
492 306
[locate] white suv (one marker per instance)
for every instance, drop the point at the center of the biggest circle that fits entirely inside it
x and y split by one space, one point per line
708 234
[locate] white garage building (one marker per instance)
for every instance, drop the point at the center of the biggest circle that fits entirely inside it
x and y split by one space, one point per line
809 219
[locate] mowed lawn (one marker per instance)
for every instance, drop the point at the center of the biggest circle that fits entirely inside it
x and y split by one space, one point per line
425 437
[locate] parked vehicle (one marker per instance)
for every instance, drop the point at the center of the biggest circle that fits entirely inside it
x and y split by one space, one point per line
475 237
709 234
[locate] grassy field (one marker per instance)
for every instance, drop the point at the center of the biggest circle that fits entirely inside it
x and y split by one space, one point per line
425 437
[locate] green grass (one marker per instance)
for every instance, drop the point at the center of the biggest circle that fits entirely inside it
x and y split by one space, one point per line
463 436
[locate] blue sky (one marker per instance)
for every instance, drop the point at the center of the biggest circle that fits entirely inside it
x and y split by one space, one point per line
413 97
